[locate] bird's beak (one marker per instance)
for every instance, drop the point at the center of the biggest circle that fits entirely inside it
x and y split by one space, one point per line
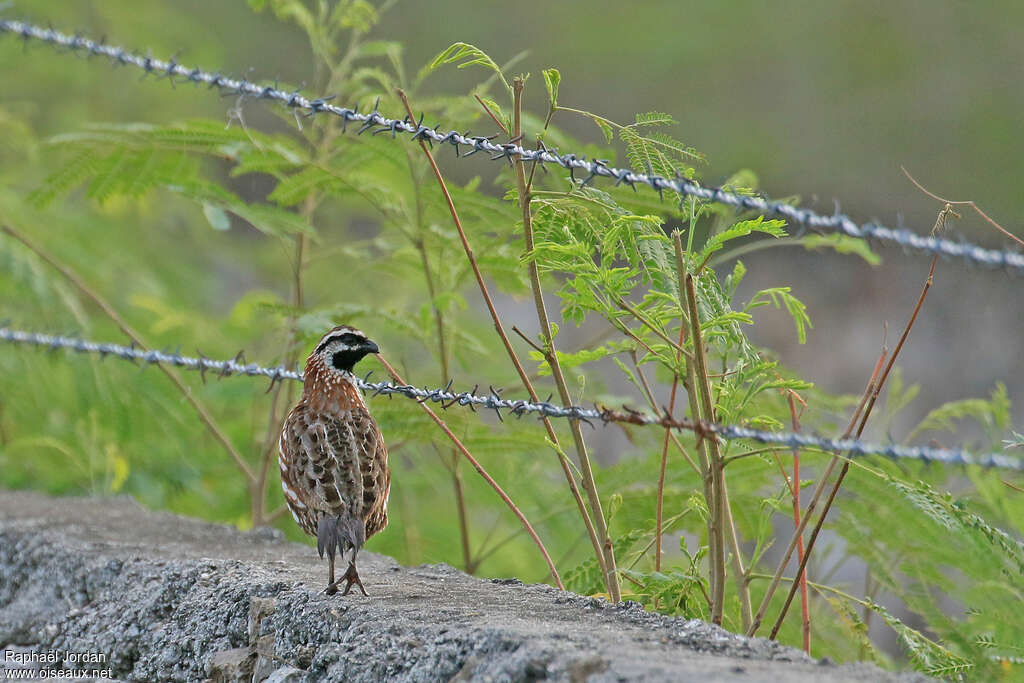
370 347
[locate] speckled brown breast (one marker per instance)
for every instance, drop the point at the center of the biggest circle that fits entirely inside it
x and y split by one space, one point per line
333 459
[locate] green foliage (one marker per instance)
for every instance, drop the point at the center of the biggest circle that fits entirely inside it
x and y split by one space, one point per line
779 297
741 229
552 79
465 55
843 244
927 655
227 237
993 414
944 553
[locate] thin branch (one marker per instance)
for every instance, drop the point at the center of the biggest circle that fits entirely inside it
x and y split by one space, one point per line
483 473
695 412
275 513
500 330
815 499
526 339
270 440
651 326
668 525
490 113
719 487
421 247
204 416
669 435
860 430
770 449
664 456
611 577
702 389
966 202
795 488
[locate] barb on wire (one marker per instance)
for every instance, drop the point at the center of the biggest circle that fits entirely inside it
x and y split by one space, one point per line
519 407
685 187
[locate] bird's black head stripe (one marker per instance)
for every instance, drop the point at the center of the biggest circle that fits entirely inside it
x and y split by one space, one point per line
323 345
347 337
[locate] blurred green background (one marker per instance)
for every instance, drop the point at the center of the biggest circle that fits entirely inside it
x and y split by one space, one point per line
824 101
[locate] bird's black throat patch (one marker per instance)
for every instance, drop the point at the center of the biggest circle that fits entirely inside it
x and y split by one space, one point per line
346 360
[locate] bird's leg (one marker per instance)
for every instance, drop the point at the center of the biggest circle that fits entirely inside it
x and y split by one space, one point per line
352 577
332 585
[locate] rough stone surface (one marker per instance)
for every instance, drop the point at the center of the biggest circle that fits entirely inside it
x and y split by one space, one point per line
174 599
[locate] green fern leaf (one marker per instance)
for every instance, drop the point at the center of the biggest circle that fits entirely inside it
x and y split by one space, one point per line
464 55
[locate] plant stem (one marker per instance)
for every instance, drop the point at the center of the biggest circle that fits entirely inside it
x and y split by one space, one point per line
815 498
715 490
692 400
701 408
204 416
651 326
421 247
275 423
668 524
487 477
270 440
795 488
860 430
740 574
669 435
460 506
821 588
611 578
716 505
500 330
490 113
964 203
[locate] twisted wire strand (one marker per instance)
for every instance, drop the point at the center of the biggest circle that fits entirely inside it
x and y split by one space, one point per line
374 120
517 407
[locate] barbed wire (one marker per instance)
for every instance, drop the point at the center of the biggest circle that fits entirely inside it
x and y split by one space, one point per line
517 407
593 168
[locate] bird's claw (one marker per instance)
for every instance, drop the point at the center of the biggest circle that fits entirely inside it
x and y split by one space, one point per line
350 578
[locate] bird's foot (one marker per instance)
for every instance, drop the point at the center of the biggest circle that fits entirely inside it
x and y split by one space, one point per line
350 578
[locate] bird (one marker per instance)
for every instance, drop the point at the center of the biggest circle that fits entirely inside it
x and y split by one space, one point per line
334 463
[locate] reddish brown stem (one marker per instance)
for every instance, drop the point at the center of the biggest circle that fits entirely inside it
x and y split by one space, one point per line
802 577
204 415
860 430
811 506
964 203
607 549
500 329
664 461
483 473
491 114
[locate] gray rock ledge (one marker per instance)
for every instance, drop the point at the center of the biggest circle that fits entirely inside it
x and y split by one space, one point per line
166 598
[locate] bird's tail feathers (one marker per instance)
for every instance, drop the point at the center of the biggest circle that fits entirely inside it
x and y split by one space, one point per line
339 532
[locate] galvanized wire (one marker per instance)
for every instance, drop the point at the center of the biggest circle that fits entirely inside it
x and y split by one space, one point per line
517 407
594 168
